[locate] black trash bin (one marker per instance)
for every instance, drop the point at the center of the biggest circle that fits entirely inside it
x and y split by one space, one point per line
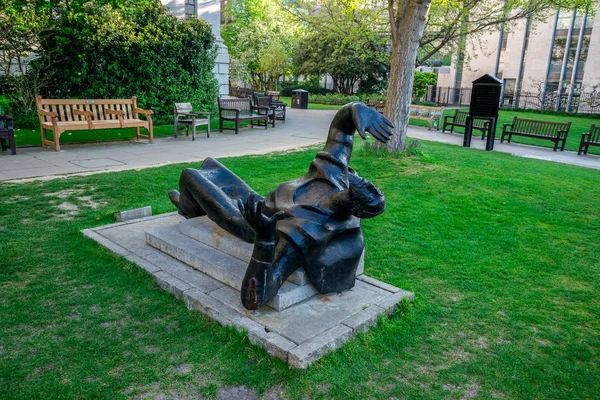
485 101
300 99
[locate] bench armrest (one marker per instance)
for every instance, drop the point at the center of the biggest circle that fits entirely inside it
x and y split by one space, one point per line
87 115
447 117
565 131
504 126
142 111
44 113
114 112
119 113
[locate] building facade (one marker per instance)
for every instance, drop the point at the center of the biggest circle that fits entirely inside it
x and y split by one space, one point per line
210 11
551 64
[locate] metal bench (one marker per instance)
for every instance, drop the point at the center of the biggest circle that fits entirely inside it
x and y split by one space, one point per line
60 115
554 131
238 110
591 138
459 119
190 119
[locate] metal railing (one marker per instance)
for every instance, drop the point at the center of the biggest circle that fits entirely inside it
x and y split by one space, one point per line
580 102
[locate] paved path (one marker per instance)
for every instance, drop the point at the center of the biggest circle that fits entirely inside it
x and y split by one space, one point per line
303 128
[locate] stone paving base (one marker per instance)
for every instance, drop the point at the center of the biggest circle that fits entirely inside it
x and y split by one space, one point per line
300 335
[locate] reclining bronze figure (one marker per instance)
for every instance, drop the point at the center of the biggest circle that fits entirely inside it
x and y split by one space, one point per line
312 222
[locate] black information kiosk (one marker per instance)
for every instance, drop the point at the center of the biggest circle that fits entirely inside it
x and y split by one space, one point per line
485 101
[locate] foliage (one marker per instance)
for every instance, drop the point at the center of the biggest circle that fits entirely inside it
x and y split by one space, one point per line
421 81
341 99
104 49
499 251
260 40
141 50
20 26
343 39
311 83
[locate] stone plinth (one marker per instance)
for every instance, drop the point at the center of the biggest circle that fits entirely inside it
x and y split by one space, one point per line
299 334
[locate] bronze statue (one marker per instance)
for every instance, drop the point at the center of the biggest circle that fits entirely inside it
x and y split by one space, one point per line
311 223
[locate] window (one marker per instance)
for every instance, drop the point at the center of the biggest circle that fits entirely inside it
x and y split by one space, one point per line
190 9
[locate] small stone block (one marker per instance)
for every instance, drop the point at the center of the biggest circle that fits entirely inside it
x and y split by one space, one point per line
363 320
389 302
379 284
312 350
171 284
136 213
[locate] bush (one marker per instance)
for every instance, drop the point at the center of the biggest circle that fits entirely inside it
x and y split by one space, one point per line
341 99
311 84
100 51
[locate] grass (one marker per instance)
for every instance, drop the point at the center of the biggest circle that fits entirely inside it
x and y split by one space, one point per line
502 254
31 137
579 125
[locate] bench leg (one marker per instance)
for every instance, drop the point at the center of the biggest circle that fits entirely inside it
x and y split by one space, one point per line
556 145
509 138
13 146
193 132
43 137
208 129
137 134
237 126
220 125
57 141
562 148
150 133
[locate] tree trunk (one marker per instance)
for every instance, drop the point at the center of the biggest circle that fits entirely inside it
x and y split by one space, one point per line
407 24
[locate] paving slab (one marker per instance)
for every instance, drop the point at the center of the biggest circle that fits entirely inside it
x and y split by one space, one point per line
300 334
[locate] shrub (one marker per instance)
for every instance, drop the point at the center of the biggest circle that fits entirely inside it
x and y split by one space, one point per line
100 51
311 84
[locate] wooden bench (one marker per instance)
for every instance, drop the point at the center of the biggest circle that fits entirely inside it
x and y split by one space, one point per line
432 115
459 119
554 131
7 133
238 110
59 115
591 138
190 119
377 105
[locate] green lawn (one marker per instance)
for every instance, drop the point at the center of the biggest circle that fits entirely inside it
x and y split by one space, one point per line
31 137
579 125
502 254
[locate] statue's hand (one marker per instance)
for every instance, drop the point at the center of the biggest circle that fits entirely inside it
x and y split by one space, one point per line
366 119
263 226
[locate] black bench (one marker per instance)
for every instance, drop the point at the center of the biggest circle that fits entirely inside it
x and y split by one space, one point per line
459 119
7 133
237 110
591 138
554 131
276 108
